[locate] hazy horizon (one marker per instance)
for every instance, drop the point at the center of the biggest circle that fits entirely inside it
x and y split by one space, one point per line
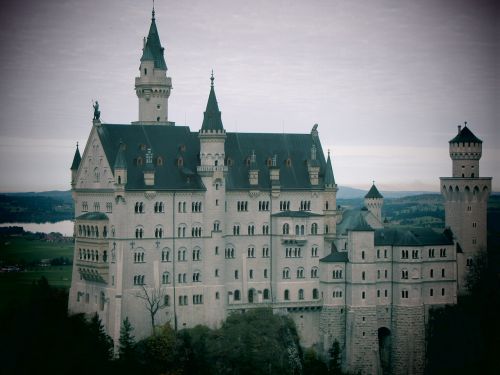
387 82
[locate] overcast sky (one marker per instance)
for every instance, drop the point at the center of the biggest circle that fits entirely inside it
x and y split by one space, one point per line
387 81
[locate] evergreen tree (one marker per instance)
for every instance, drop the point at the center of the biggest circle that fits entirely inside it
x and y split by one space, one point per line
104 343
127 341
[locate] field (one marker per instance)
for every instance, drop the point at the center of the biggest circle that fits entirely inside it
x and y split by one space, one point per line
16 286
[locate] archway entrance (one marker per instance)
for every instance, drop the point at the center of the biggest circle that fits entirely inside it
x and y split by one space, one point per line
384 349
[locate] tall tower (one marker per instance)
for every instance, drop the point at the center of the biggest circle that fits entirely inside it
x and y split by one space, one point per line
213 172
153 86
466 200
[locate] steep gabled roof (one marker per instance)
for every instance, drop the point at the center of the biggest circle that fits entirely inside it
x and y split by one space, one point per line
212 117
153 51
465 136
120 161
373 193
76 159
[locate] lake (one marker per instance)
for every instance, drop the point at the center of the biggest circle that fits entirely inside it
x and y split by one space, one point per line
64 227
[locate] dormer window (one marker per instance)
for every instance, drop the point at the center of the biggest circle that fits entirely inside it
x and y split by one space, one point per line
142 147
159 160
138 161
269 162
182 148
288 162
180 161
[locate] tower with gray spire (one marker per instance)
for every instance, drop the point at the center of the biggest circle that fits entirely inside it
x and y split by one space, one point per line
153 86
466 200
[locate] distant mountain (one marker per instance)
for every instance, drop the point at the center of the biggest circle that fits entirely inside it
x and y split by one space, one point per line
346 192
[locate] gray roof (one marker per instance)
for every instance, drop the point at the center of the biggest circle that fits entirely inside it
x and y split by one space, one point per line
373 193
329 177
76 159
93 216
172 143
153 51
354 220
466 136
212 117
412 237
120 162
336 257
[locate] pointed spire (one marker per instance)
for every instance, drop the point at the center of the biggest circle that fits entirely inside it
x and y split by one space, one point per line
153 12
329 178
373 193
76 159
212 116
153 51
120 161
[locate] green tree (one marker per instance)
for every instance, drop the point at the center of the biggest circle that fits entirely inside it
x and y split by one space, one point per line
158 353
256 342
127 341
104 343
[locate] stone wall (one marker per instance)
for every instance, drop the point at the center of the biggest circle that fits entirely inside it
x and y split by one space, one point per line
408 340
332 327
362 353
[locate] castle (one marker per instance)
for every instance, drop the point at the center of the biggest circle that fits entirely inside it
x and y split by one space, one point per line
215 222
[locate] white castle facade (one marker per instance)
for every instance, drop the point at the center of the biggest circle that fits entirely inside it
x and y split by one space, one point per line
219 222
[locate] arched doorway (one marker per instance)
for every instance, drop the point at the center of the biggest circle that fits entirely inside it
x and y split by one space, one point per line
384 349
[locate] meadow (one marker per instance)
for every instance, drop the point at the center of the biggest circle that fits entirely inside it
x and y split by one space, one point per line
28 253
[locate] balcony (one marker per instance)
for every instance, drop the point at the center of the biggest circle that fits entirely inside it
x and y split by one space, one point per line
291 239
93 271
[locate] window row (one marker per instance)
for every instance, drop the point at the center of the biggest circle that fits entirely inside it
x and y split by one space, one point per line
305 205
92 255
300 229
242 206
286 273
91 231
300 294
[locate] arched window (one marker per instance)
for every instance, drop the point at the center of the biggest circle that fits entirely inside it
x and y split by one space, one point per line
315 293
286 228
266 294
237 295
300 273
286 295
165 278
286 273
314 272
301 294
314 228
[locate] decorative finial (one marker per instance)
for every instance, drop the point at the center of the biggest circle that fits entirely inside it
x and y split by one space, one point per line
373 182
77 144
153 12
328 152
465 124
212 79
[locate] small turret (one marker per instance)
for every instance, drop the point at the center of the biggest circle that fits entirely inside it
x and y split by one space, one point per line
313 166
374 202
74 166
